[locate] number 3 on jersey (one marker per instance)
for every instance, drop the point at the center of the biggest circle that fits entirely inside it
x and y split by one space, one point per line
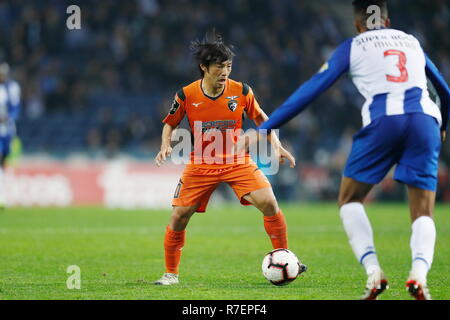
400 65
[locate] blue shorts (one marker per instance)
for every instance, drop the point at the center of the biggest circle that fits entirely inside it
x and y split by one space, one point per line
410 141
5 146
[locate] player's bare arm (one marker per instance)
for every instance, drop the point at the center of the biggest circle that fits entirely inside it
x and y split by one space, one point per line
252 137
166 147
282 153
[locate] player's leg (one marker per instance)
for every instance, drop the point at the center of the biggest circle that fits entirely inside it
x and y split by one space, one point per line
252 187
174 241
264 200
353 191
191 195
418 169
423 238
374 151
352 194
180 217
359 231
274 221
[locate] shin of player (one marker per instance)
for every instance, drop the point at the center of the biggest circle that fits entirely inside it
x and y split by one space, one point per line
274 221
359 232
423 238
276 229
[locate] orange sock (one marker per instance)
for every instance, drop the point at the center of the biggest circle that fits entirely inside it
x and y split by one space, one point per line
276 229
173 243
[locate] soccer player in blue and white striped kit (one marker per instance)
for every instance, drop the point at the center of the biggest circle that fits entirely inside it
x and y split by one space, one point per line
402 126
9 111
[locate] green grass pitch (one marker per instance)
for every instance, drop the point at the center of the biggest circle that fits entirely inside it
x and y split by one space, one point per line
120 253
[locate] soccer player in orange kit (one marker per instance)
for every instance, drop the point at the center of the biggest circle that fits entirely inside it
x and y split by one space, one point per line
215 103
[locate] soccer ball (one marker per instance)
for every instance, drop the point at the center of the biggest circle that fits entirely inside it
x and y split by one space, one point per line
281 267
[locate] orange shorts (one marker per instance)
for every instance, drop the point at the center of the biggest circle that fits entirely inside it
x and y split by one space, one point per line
197 184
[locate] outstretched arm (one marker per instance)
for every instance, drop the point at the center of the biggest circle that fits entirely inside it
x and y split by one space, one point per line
442 90
275 142
338 64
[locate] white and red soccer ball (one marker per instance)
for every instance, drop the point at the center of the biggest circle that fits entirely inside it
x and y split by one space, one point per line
281 267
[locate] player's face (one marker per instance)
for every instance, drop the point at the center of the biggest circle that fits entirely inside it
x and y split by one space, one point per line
217 73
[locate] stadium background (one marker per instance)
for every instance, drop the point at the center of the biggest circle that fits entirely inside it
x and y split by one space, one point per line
94 98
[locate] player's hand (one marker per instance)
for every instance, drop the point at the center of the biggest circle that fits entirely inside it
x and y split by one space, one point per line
166 151
283 154
443 135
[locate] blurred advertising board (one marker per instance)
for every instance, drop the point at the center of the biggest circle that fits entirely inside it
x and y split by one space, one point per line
113 185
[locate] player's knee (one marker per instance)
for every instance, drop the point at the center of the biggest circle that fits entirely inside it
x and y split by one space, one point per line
353 191
422 213
269 206
182 213
345 199
342 200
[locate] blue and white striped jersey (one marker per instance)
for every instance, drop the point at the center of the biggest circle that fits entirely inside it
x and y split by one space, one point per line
388 67
9 107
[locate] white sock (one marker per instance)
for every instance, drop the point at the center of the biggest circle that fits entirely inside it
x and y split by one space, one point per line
423 238
360 235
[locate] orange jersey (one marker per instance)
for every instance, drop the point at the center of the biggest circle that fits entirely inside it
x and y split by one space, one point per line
214 121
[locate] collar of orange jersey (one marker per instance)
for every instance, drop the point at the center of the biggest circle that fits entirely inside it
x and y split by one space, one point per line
209 97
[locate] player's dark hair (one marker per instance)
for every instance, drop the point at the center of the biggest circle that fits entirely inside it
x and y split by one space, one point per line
211 50
360 9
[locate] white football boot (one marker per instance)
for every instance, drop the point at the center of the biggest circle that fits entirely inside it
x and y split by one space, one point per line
167 279
376 284
417 287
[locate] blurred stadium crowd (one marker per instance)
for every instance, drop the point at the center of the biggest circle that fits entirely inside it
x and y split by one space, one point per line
104 89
